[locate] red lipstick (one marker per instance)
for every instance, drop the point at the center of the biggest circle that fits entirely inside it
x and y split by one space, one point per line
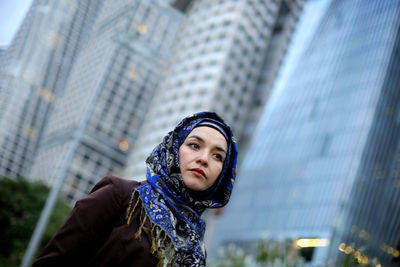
198 172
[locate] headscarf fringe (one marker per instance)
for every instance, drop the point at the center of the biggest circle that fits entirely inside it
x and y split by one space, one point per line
161 244
130 210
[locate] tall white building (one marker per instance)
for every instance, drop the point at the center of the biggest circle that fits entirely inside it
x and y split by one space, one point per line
111 85
225 60
33 73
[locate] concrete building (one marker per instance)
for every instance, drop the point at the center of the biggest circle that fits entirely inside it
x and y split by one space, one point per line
33 73
107 95
324 160
225 60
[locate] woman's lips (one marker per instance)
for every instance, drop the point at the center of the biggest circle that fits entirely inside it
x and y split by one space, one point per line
198 172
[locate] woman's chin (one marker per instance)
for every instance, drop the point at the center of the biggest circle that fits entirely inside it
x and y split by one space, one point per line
195 185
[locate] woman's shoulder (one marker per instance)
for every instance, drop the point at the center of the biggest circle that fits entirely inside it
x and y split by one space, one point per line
118 184
114 190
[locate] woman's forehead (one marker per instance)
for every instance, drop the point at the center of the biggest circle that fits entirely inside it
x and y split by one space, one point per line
210 135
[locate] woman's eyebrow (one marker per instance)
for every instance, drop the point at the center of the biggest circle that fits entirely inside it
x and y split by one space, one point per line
197 137
220 149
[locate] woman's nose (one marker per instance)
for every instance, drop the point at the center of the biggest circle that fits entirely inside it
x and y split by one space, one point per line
203 158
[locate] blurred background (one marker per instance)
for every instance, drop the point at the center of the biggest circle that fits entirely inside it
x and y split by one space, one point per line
310 88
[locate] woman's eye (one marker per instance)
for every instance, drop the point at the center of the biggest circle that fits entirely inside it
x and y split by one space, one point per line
218 157
193 145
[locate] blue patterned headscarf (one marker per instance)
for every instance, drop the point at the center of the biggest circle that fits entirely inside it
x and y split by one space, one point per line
173 209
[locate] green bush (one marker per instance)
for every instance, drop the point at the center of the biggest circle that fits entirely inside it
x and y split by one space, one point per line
21 203
264 253
283 253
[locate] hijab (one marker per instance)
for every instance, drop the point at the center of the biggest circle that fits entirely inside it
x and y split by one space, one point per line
177 229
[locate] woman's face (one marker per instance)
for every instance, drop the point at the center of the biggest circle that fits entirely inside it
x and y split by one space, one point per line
201 157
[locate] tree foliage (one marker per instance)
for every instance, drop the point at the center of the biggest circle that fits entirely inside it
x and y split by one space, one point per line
21 203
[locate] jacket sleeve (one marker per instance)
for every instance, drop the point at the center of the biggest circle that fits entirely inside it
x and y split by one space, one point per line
88 225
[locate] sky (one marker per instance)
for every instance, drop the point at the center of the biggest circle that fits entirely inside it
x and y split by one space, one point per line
12 12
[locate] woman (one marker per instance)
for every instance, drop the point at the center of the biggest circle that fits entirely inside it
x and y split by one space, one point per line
156 222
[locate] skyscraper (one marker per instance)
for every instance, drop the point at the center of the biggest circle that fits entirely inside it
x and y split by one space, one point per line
323 162
110 87
33 74
220 53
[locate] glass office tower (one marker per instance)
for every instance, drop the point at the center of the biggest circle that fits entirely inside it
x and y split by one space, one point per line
324 161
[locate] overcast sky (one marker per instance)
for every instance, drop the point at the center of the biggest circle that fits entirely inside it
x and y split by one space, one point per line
12 13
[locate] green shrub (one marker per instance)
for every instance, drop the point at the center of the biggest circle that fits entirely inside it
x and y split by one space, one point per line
21 203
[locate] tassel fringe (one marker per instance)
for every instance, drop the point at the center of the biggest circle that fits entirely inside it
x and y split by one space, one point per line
161 244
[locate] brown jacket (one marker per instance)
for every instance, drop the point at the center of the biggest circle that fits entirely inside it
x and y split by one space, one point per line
96 232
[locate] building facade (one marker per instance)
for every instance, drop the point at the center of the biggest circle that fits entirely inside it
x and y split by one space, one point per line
33 73
220 53
111 85
323 163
